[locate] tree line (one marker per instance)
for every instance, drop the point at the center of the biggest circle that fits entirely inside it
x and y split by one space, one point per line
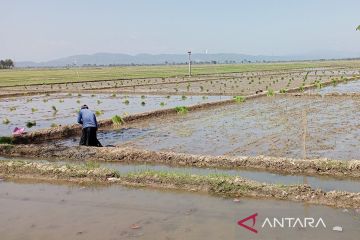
6 64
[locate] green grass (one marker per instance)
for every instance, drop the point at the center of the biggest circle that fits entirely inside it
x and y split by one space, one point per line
117 120
6 140
12 77
181 109
239 99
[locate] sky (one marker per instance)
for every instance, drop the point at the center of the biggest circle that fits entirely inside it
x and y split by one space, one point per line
40 30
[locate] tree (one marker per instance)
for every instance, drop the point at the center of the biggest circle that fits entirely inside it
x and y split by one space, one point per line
358 28
6 64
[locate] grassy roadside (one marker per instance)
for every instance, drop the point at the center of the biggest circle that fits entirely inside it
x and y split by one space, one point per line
62 75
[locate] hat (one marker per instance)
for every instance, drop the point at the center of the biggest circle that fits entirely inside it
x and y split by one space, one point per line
84 106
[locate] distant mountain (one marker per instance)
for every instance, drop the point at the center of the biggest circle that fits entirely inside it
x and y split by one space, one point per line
100 59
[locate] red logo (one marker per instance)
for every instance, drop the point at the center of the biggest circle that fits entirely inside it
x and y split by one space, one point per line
253 217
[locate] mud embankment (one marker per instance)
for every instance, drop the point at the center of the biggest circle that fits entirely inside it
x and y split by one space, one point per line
313 167
227 186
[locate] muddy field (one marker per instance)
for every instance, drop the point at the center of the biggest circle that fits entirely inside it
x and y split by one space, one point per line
280 126
265 147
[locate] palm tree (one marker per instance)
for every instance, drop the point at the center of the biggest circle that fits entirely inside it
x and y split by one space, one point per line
358 28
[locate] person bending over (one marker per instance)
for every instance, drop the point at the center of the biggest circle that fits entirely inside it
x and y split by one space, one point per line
89 127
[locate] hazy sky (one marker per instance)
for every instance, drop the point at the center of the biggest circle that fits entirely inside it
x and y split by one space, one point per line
47 29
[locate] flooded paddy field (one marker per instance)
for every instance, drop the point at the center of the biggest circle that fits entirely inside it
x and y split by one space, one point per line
33 210
344 87
61 109
237 83
296 127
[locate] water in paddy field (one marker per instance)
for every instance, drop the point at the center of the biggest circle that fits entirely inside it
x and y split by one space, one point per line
39 108
323 183
306 127
349 87
45 211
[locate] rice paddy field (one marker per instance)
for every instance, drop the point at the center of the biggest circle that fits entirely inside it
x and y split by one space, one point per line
304 114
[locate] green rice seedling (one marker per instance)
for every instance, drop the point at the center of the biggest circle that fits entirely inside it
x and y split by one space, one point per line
270 92
79 95
69 94
117 120
54 109
29 100
301 88
53 125
239 99
143 103
93 95
78 101
12 109
99 112
318 85
45 100
33 110
181 109
162 104
142 97
30 124
334 81
47 95
6 140
98 101
167 97
61 100
6 121
126 102
183 97
283 90
204 97
113 95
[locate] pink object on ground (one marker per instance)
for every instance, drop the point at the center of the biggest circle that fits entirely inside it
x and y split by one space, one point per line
18 131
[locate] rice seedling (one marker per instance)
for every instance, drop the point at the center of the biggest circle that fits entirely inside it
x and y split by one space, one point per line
93 95
117 120
12 109
45 100
283 90
34 110
61 100
30 124
99 112
183 97
6 121
126 102
98 101
79 95
162 104
239 99
270 92
54 109
167 97
143 103
69 94
181 109
78 101
53 125
29 100
113 95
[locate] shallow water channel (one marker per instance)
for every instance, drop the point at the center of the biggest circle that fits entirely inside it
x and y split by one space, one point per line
35 211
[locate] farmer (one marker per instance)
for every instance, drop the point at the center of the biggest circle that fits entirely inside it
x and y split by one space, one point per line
88 120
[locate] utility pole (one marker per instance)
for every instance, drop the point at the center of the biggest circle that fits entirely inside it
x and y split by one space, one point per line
189 52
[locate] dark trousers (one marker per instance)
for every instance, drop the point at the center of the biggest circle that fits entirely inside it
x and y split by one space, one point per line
89 138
